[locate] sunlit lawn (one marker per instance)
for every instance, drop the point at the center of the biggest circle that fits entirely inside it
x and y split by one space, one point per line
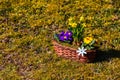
26 32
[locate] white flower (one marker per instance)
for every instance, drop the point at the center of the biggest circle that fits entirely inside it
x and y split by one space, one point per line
81 51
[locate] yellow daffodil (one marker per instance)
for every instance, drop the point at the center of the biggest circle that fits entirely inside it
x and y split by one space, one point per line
73 24
88 40
84 25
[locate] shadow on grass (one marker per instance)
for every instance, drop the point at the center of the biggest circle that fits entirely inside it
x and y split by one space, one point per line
106 55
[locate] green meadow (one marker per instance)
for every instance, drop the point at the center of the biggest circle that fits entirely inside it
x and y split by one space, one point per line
26 34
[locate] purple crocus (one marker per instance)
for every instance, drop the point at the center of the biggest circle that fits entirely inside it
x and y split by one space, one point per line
63 38
68 33
62 33
70 39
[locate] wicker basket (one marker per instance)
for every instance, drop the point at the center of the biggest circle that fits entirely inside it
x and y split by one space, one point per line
71 53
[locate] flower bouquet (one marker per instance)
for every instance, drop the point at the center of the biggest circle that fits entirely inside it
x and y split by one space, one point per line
75 36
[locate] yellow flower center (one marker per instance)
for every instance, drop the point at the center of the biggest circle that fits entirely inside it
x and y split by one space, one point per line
65 37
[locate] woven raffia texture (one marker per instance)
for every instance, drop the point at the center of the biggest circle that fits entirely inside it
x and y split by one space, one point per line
71 53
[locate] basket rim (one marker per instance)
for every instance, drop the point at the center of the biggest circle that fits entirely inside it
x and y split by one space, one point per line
56 43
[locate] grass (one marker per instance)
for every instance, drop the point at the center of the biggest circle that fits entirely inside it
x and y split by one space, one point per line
26 31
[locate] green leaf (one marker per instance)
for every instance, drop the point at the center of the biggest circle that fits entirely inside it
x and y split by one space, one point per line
92 42
56 37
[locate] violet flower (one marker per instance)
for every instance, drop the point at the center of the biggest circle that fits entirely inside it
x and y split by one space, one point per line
62 33
68 33
71 39
63 37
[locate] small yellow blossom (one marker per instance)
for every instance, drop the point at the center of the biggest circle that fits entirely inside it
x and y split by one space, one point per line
84 25
70 19
81 18
107 24
108 0
89 18
73 24
88 40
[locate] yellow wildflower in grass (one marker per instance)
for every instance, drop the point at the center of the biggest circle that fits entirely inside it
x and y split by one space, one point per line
88 40
89 18
81 18
106 24
71 19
